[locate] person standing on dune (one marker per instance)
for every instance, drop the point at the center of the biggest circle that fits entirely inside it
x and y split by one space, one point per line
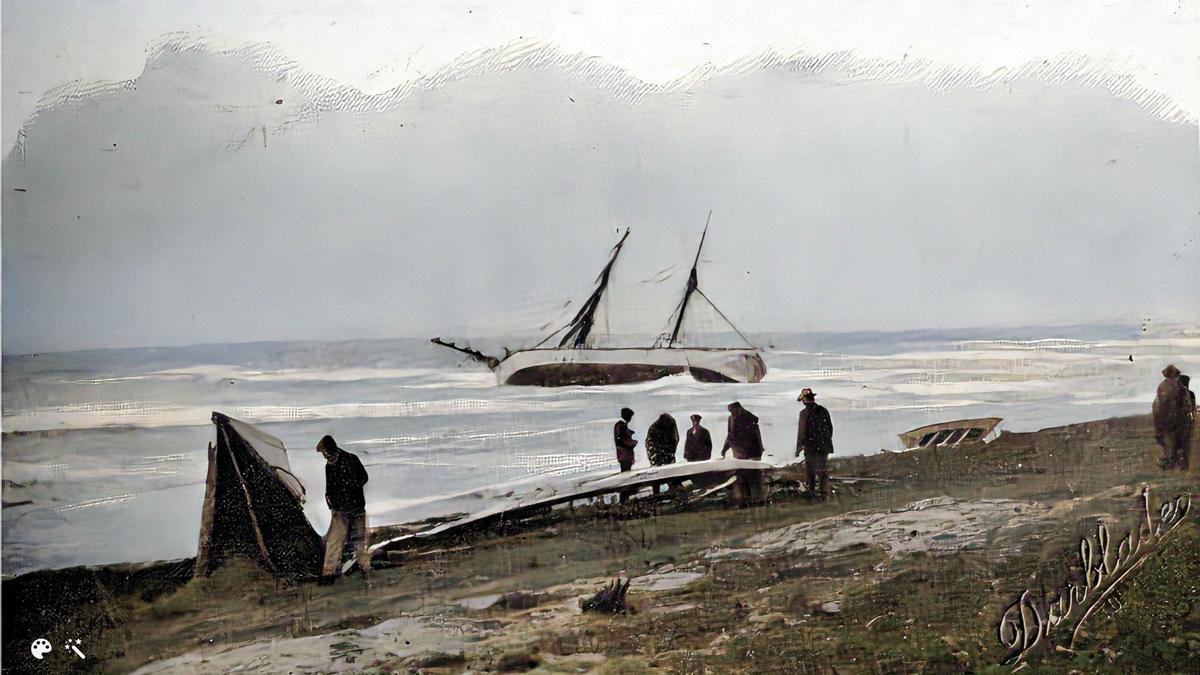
1173 416
744 438
344 481
814 439
1189 424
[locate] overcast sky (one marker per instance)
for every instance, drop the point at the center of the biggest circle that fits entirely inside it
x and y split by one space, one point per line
191 207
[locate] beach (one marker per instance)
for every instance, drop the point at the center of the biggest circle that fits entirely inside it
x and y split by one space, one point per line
103 447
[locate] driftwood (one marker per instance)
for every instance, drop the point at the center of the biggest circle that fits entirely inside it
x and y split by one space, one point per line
609 600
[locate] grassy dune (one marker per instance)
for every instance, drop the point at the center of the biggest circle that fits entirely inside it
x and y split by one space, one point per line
709 596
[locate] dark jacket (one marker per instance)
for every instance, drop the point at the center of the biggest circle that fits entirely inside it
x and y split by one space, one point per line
623 439
814 433
697 447
662 440
744 436
344 480
1172 404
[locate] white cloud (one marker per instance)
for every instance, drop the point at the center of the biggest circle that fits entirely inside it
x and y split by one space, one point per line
377 44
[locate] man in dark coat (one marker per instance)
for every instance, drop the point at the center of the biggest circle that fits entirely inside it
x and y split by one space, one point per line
344 480
1189 425
697 447
623 439
662 440
814 438
1173 413
744 438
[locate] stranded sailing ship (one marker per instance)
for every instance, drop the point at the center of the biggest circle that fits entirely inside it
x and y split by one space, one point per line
575 362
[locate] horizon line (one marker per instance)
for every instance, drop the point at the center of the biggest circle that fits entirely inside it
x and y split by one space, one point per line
1176 326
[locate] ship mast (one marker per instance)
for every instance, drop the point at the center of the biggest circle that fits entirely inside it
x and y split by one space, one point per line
692 285
581 325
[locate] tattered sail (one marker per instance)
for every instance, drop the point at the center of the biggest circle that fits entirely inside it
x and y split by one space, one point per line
693 284
581 325
253 505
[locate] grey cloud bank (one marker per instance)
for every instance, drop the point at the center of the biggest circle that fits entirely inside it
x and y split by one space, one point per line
191 207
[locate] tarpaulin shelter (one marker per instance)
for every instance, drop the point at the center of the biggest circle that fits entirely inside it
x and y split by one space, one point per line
253 505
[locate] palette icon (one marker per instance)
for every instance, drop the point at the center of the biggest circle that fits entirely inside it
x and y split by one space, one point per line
40 647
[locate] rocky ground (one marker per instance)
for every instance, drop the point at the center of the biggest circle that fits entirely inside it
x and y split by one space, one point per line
909 572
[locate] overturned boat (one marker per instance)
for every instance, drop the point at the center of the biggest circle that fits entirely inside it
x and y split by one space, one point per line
574 361
951 434
253 506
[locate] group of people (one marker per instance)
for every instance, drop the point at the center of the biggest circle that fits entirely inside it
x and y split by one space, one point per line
662 441
743 439
1174 418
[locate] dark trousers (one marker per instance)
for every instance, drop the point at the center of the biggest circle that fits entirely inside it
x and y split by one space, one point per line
1185 449
625 466
748 490
816 467
1176 447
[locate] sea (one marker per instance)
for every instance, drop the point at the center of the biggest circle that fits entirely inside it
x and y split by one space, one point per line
104 452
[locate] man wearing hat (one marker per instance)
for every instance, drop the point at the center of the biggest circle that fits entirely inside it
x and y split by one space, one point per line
1173 418
814 438
344 480
624 440
697 447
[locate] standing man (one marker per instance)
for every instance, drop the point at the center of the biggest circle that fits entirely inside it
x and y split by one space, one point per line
697 447
744 436
1189 424
1173 412
623 438
814 438
344 480
662 440
745 439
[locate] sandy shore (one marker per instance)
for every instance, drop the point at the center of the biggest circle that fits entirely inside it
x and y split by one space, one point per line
908 573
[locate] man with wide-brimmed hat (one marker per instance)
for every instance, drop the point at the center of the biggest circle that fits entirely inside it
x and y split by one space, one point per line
814 438
1173 418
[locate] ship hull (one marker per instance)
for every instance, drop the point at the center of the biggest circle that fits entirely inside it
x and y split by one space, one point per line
591 367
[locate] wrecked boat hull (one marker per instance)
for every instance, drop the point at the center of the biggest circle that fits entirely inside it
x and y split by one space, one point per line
591 367
707 476
253 506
